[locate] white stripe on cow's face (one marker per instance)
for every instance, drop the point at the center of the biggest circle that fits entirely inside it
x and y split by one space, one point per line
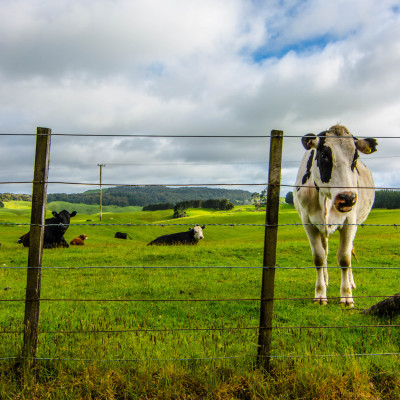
198 232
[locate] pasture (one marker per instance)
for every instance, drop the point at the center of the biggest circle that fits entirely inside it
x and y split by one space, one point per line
115 323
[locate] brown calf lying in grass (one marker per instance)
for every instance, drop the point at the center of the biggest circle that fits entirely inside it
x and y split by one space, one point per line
79 240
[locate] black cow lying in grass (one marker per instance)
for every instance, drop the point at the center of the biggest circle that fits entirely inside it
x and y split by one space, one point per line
53 231
192 236
121 235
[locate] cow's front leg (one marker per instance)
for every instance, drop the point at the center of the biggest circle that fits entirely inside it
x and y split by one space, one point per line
346 295
319 251
64 243
324 242
320 287
351 279
344 260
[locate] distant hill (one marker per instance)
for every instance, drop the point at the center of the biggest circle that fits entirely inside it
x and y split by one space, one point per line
124 196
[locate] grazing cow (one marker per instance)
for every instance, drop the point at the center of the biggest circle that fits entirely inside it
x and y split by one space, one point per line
122 235
78 241
192 236
53 231
334 191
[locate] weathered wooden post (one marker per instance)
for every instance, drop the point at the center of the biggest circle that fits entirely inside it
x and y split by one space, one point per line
270 241
39 193
101 193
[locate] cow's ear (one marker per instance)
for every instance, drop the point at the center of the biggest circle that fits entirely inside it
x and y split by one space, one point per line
203 227
55 214
309 141
73 214
367 145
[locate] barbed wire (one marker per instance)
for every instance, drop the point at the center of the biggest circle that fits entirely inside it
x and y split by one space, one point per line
194 185
198 358
195 136
235 328
196 300
142 267
231 225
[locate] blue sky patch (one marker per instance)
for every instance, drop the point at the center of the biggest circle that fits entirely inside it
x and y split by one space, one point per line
305 46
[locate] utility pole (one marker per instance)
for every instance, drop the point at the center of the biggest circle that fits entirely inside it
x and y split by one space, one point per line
101 192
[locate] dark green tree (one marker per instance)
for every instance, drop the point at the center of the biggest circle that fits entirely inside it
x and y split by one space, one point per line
289 198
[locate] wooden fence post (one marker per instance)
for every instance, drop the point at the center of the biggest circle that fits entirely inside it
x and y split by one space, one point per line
39 193
101 192
270 241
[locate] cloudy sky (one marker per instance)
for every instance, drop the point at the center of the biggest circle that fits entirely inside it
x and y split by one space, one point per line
198 68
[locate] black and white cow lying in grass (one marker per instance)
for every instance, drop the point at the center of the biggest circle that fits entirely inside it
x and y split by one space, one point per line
54 230
192 236
334 191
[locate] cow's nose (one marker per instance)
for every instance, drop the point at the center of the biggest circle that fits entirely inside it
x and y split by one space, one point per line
345 201
349 198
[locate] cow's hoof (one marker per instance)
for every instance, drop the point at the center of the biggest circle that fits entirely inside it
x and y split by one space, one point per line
321 301
347 302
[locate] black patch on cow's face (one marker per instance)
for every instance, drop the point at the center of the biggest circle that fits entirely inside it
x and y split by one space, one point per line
372 144
306 139
354 162
308 168
324 159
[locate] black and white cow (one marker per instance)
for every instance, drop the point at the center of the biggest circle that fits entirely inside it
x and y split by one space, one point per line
334 191
192 236
54 230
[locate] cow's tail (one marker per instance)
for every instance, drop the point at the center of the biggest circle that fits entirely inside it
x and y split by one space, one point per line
128 236
354 254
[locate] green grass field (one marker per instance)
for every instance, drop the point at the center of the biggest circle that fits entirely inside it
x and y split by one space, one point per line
173 343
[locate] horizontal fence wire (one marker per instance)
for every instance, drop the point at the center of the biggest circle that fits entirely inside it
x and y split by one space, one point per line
232 225
166 330
194 300
193 185
193 267
139 135
55 359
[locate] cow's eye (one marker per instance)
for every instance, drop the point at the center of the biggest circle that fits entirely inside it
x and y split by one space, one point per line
325 155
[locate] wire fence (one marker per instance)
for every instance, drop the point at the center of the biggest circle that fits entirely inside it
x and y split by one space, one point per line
197 300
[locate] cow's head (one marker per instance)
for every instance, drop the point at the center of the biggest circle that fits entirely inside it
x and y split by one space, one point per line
198 232
333 163
63 217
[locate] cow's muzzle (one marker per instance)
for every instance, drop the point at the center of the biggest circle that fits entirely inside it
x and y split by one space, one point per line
345 201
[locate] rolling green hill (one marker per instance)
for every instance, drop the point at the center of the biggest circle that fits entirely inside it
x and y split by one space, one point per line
141 196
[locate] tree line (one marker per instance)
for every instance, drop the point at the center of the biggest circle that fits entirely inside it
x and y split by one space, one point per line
142 196
217 204
11 196
387 198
